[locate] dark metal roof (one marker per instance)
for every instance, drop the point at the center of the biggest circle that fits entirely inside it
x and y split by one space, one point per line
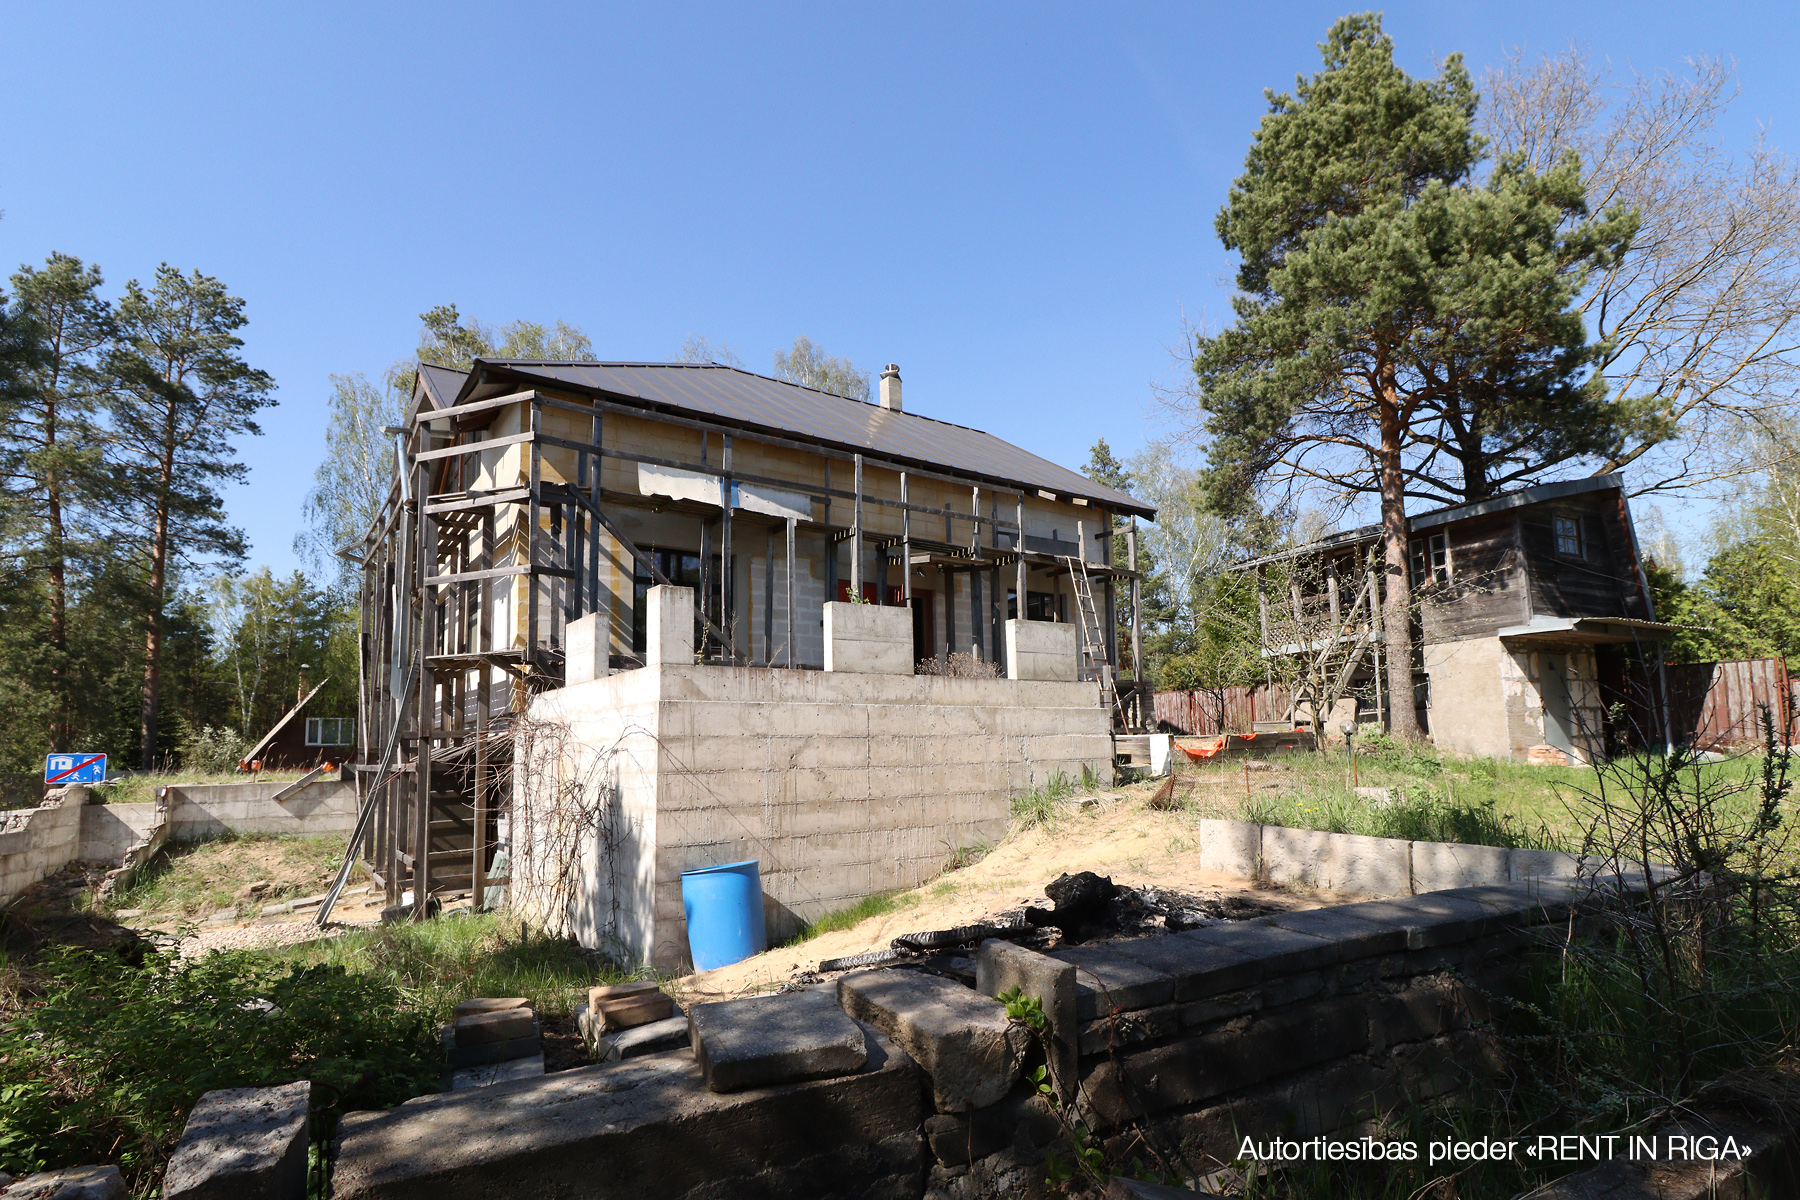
735 396
441 384
1524 496
1445 516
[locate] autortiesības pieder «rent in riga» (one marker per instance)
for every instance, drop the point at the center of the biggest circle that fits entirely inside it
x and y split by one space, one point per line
1547 1148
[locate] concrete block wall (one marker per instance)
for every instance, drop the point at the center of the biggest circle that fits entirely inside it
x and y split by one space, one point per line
199 810
1044 650
1303 1023
1369 866
868 638
35 842
840 784
109 830
584 811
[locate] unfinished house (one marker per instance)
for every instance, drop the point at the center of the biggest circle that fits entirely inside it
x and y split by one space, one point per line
628 620
1532 614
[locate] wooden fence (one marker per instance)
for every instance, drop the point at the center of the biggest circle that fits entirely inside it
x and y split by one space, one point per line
1711 705
1212 711
1720 704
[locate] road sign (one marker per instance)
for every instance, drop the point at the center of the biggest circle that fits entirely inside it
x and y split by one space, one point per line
75 768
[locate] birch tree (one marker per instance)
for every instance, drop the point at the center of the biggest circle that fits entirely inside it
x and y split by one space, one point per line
1701 320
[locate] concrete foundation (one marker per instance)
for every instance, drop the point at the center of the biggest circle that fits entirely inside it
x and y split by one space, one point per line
840 784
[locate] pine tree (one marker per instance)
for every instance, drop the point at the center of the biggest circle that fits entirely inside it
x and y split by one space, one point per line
1401 330
52 447
183 393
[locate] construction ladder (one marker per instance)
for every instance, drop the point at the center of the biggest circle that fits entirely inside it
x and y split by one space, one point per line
1093 643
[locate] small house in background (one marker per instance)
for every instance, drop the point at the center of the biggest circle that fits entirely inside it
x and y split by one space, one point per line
1533 623
308 735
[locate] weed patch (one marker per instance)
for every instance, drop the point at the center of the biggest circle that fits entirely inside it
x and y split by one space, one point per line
105 1065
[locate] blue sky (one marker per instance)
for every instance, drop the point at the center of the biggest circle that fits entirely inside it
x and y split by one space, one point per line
1013 202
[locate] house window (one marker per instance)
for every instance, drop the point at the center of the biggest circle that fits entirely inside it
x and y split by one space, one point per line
1568 536
330 731
1431 560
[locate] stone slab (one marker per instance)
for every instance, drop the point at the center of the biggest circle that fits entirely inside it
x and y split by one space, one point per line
641 1129
657 1036
481 1004
1432 919
963 1039
243 1144
1001 966
503 1072
1105 982
498 1025
1198 968
1279 951
625 1012
70 1183
1355 936
492 1052
1542 864
766 1040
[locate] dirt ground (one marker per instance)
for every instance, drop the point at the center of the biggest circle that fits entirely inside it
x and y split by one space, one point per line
1115 834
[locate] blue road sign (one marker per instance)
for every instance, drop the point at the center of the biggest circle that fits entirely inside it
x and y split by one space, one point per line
75 768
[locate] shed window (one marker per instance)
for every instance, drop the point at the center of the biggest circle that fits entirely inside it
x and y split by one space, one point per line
1431 559
330 731
1568 536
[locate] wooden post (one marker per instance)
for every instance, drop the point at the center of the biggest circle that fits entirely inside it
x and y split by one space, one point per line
421 831
1019 545
793 657
725 613
484 698
603 630
856 540
1137 614
996 594
768 653
905 544
831 541
533 508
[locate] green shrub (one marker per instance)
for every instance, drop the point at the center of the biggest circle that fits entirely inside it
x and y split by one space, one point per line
106 1064
212 749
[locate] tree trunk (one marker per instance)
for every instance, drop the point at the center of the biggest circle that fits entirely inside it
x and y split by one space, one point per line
1403 721
159 562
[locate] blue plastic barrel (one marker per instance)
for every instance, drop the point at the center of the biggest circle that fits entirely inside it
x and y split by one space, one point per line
724 914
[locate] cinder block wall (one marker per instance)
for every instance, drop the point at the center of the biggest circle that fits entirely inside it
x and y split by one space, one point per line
200 810
35 842
841 785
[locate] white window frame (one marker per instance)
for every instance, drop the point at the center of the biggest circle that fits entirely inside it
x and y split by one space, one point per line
1430 561
342 727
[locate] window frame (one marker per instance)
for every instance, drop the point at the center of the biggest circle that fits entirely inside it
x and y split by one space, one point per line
315 731
1577 535
1429 561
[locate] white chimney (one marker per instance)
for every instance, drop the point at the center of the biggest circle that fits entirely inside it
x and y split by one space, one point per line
890 388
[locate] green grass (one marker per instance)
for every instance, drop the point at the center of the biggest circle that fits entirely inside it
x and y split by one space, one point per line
1043 806
140 789
436 965
194 879
854 914
1479 801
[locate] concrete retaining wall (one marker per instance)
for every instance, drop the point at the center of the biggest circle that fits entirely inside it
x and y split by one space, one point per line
35 842
1304 1023
200 810
1368 866
841 785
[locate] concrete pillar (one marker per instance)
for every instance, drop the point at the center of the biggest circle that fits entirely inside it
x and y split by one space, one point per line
669 627
585 648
